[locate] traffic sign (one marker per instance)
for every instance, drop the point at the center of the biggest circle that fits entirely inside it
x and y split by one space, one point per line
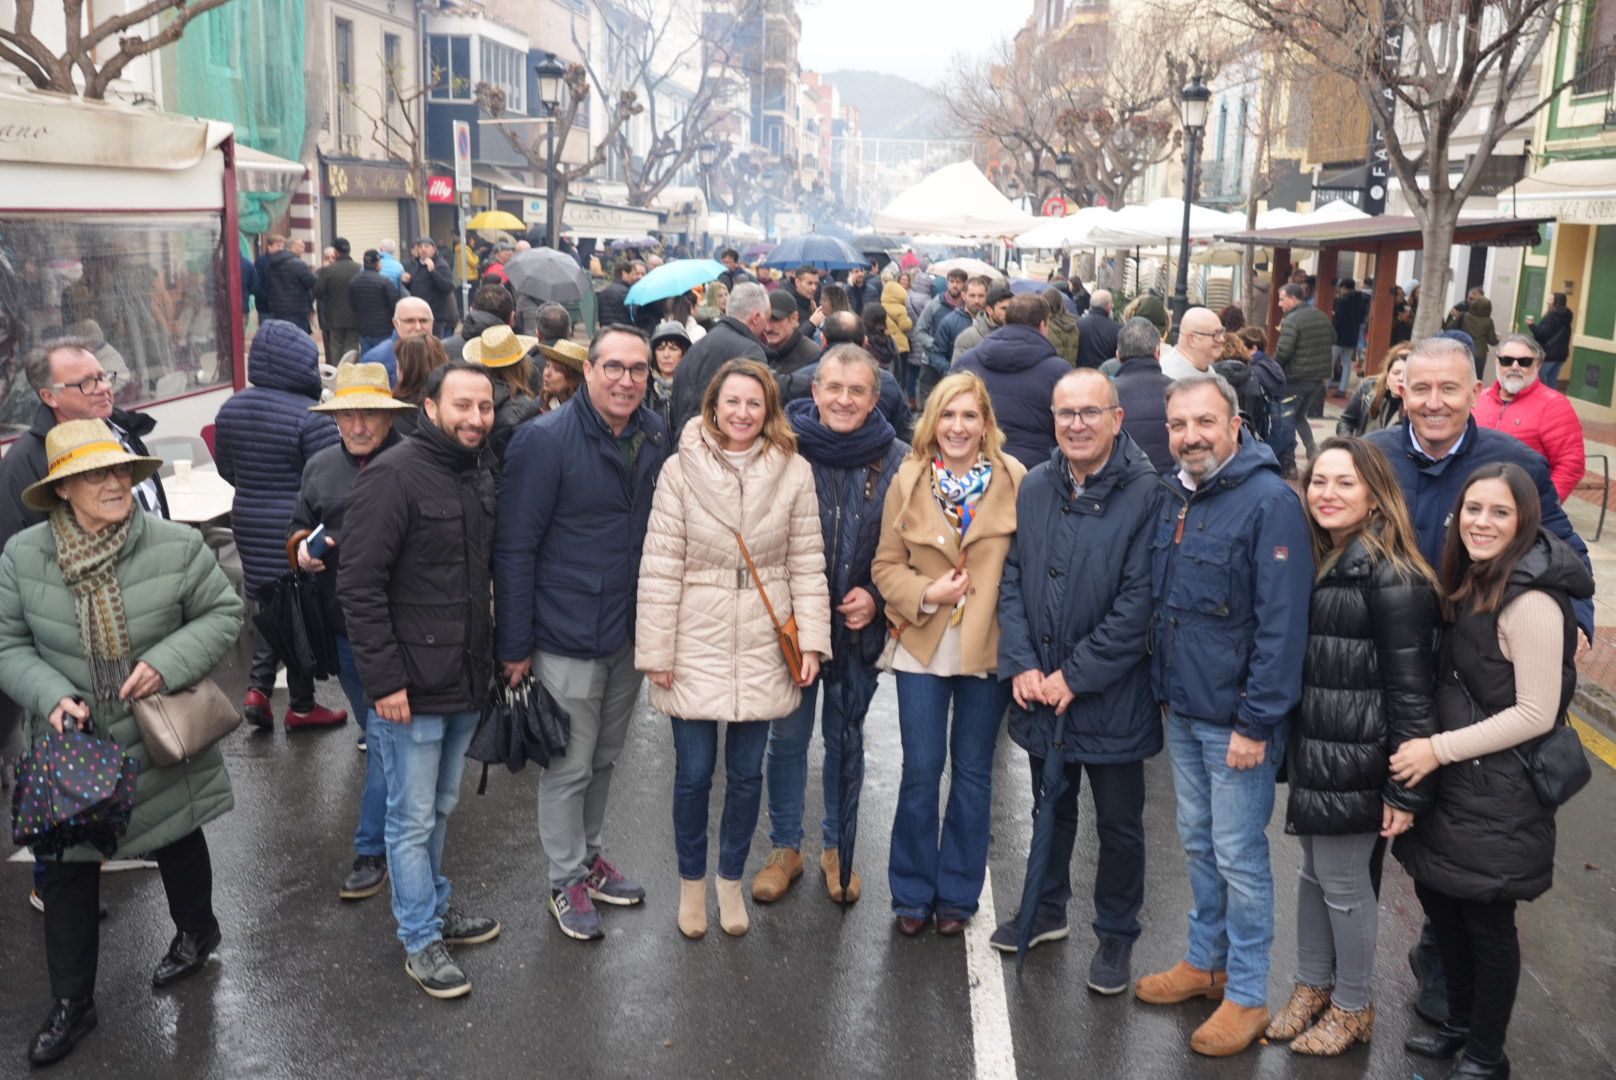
1054 206
462 150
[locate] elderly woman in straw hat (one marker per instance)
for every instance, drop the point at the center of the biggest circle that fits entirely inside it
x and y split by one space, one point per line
563 371
364 407
100 605
506 355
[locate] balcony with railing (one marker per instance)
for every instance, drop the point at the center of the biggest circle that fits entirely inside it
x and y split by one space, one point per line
1596 70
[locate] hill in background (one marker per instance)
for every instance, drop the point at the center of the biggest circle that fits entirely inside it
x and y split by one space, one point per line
890 106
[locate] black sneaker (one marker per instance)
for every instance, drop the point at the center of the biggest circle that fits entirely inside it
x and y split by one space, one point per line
366 879
1044 928
462 929
437 973
1110 972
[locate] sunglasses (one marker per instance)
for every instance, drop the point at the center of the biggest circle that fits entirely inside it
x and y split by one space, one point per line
1512 361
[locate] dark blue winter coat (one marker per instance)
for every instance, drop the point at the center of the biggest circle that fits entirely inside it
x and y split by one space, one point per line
1075 597
1233 567
571 530
1021 368
1432 490
947 327
851 476
1141 391
266 435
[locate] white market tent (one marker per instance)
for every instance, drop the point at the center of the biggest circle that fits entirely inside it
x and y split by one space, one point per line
1070 231
1162 221
956 199
732 228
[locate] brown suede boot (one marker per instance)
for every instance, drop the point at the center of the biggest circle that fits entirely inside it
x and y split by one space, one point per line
1304 1007
1181 982
782 868
1336 1031
1230 1029
830 863
693 908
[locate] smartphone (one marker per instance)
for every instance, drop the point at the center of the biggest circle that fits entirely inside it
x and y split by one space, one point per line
317 543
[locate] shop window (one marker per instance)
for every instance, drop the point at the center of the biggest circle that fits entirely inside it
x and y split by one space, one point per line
150 293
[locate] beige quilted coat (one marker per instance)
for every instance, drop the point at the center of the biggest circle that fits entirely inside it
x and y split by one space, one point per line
700 616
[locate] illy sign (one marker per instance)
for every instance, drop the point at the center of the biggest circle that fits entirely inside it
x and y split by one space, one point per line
440 189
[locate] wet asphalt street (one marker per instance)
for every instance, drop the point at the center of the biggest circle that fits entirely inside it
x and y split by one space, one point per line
307 986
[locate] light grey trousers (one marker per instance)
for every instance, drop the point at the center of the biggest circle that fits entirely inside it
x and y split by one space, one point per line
1337 917
599 696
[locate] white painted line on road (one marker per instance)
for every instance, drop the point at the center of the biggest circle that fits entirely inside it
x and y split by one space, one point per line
21 855
990 1011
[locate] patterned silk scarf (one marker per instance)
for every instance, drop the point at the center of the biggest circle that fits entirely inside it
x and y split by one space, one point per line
958 496
89 563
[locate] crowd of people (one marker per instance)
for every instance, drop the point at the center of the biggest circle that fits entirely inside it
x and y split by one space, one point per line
1084 529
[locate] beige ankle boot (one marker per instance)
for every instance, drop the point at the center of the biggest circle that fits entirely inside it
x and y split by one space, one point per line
693 908
731 907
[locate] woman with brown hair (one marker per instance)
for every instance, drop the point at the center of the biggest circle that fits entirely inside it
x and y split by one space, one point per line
1507 675
1367 684
1378 401
734 517
563 372
508 357
949 519
417 359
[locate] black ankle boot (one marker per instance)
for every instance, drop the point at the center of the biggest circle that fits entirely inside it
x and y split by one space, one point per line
186 955
67 1023
1443 1043
1471 1069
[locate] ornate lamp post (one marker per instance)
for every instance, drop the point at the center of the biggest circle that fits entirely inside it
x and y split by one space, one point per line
1196 100
551 74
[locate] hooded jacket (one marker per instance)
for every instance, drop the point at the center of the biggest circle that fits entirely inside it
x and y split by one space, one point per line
700 614
922 337
920 291
1075 598
1233 569
899 321
611 305
1543 419
1020 368
1065 336
972 336
285 286
1477 321
265 438
1097 337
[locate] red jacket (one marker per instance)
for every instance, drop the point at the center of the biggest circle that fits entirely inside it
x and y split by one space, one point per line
1544 420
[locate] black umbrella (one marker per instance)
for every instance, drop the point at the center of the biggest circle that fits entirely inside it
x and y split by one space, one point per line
870 243
1051 786
292 619
519 724
853 686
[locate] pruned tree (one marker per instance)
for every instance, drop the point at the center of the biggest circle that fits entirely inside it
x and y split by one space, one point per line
63 71
1426 68
395 124
533 147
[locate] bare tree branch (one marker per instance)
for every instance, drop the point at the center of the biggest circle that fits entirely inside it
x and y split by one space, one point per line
49 70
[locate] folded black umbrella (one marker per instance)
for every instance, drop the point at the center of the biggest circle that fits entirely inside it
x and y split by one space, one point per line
292 620
72 788
519 724
1051 786
853 689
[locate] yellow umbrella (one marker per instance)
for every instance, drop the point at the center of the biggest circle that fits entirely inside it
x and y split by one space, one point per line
497 219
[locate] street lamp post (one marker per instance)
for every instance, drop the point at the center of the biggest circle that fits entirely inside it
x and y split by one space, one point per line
551 74
1063 175
1196 100
707 154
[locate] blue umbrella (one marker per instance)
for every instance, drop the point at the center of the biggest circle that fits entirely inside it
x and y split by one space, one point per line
820 252
1028 285
673 279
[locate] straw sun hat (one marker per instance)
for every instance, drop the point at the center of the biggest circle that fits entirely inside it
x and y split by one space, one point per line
499 346
361 387
568 353
80 446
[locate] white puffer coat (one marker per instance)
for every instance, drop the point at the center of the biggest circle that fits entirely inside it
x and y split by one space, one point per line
700 616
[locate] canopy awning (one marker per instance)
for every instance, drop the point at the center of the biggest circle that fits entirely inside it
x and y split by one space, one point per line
958 200
1576 192
1393 231
261 172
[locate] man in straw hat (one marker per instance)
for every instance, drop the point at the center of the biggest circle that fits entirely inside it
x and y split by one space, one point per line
363 405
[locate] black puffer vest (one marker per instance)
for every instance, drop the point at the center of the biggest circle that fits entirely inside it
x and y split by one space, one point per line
1488 838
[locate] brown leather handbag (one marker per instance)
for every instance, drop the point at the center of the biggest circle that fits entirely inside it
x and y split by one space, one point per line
177 725
790 644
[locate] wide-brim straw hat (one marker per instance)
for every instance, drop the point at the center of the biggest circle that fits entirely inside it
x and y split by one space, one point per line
499 346
361 387
80 446
567 352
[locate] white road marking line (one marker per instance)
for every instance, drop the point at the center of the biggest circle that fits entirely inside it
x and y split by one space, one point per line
21 855
991 1038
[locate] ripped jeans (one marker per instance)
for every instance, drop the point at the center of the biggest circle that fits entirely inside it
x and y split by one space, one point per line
1337 917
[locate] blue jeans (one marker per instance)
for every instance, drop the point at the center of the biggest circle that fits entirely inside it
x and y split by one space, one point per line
1222 817
695 748
370 838
424 760
927 875
1343 355
1550 375
787 764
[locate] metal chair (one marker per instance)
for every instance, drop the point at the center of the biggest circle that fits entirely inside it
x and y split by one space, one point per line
1604 493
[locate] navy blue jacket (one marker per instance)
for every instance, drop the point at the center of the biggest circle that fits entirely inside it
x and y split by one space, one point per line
1075 597
571 530
948 327
1233 566
1432 490
1020 367
1097 337
266 436
1142 393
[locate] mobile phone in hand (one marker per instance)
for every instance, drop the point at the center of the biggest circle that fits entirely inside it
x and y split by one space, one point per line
317 543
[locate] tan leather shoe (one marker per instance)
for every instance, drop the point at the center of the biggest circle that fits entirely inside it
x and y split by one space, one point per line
1336 1032
1304 1007
772 882
830 862
732 914
1230 1029
693 908
1181 982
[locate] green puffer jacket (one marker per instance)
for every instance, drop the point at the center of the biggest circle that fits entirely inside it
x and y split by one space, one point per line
1306 336
1064 335
183 616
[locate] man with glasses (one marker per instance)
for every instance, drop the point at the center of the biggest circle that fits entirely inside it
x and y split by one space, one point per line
1522 405
1200 344
1074 614
412 318
1020 367
574 499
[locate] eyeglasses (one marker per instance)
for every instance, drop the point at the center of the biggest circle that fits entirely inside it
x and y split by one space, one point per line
1090 416
1511 361
836 390
1215 334
614 371
123 471
87 385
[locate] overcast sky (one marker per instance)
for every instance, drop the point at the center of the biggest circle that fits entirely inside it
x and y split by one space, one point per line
914 40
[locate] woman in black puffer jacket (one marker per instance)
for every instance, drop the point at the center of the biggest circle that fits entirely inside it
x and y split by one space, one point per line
1367 687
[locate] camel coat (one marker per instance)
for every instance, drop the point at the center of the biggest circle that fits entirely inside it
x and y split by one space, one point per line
919 545
700 615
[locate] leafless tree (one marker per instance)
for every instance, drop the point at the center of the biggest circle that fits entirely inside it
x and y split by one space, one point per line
395 125
1423 68
50 70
